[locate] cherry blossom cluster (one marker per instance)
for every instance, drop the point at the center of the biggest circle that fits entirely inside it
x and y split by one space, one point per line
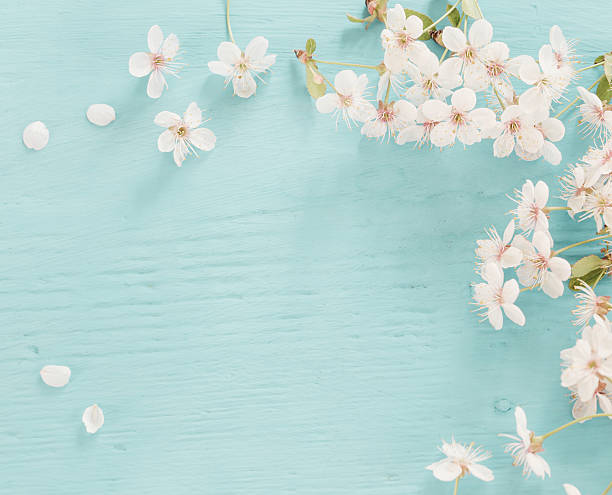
422 98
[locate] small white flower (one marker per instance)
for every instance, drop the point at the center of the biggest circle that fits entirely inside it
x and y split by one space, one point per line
183 135
471 52
498 66
400 39
458 120
499 250
389 119
570 489
240 67
527 447
563 52
540 269
531 202
55 376
598 204
495 295
516 126
552 130
93 418
600 158
548 84
590 305
596 118
36 135
589 361
432 79
100 114
575 185
461 460
348 101
418 132
159 60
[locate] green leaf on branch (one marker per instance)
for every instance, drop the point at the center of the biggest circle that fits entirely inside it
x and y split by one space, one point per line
311 46
589 270
427 21
608 66
604 90
599 60
315 87
454 17
471 8
368 19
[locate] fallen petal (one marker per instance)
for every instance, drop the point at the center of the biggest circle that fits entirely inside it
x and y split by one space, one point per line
93 418
36 135
55 376
100 114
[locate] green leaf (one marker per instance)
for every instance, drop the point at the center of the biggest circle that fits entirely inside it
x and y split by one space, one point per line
604 90
315 88
368 19
599 59
608 66
427 21
311 46
471 8
589 270
454 17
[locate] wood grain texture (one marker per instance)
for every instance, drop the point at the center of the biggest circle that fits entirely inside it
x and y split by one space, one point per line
287 314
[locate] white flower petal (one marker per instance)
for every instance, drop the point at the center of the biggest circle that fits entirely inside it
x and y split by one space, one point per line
481 472
453 39
55 376
140 64
228 53
503 145
345 81
36 135
256 49
93 418
570 489
166 119
100 114
156 84
327 103
219 68
193 115
244 86
480 33
464 99
203 138
170 47
155 37
166 141
445 470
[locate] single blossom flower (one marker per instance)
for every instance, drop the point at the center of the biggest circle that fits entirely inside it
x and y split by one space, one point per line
590 305
563 51
600 158
516 126
461 460
589 361
499 250
348 101
458 120
418 132
432 79
400 39
527 447
596 118
495 295
498 66
531 201
159 60
602 396
471 52
548 84
389 119
575 186
541 268
183 135
598 205
239 67
552 130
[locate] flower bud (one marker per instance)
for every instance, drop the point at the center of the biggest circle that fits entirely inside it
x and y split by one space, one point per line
302 56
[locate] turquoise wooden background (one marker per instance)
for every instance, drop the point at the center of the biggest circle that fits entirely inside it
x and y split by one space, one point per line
288 314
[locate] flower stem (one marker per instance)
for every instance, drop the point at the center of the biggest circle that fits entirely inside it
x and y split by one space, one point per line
546 209
229 26
501 102
388 91
571 423
328 82
457 485
570 105
607 489
576 244
440 19
590 67
346 64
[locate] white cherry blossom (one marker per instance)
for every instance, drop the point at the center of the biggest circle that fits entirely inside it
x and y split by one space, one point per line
601 397
590 305
541 269
600 158
400 39
183 135
159 60
563 52
348 101
548 84
596 118
432 79
461 460
526 448
239 67
579 180
458 120
494 296
552 130
499 250
389 119
598 205
516 126
531 201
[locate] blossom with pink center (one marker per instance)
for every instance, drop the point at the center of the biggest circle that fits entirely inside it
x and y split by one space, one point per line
540 268
239 67
531 201
458 120
471 52
183 135
432 79
589 361
499 250
548 83
461 460
563 51
516 127
552 130
590 305
494 296
600 158
418 132
526 448
400 39
575 186
498 66
159 60
389 119
596 118
348 101
598 205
